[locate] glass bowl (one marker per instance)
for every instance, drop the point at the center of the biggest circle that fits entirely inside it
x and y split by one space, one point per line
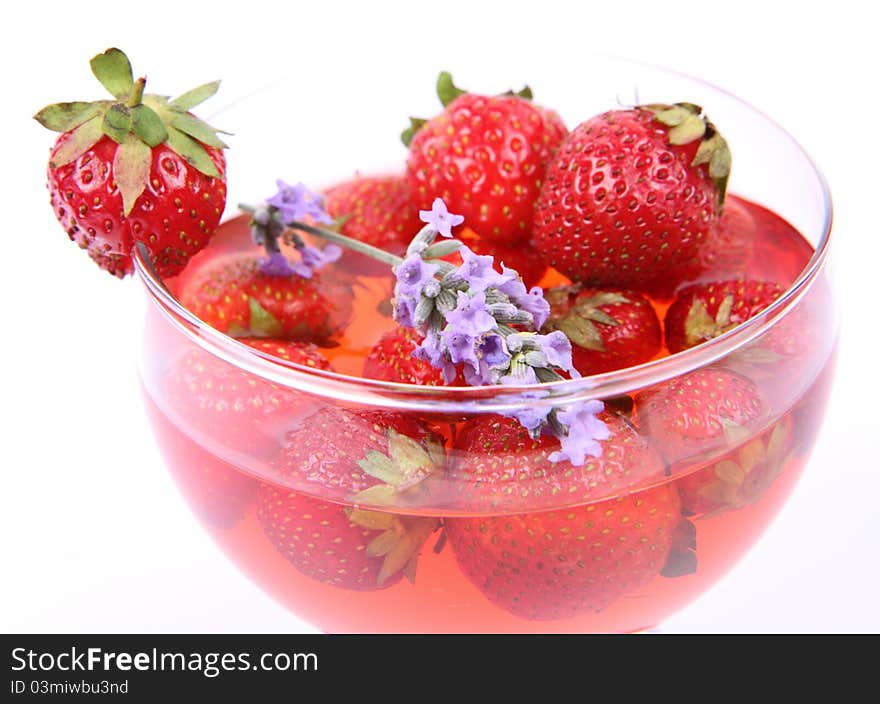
654 523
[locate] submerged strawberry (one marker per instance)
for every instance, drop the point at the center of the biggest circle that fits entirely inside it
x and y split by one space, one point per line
138 168
234 407
608 329
363 458
741 477
559 563
695 413
391 359
497 466
485 156
729 244
704 311
631 196
234 295
346 548
378 210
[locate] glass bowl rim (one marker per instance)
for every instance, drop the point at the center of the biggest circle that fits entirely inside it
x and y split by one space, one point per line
459 399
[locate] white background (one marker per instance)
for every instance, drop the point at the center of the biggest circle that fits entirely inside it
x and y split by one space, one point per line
93 535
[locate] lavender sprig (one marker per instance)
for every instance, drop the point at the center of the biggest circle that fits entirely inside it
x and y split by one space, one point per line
487 323
271 220
472 317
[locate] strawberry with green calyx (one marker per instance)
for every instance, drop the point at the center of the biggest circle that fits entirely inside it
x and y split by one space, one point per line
485 156
137 168
631 195
690 416
235 295
608 329
704 311
367 458
742 477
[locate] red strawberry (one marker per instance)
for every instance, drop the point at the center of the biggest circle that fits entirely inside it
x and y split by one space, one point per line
391 359
559 563
741 477
366 458
378 210
694 414
631 196
235 408
139 168
346 548
729 244
497 466
485 157
231 294
608 329
705 311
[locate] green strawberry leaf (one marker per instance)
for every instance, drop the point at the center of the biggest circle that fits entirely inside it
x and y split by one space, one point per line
582 333
117 122
381 467
197 129
262 323
415 124
691 128
147 125
113 70
131 169
193 152
63 117
193 97
447 91
383 543
374 520
80 140
525 93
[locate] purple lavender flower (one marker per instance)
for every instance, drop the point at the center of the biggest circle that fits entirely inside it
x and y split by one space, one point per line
585 430
405 310
470 315
477 270
531 301
461 346
315 258
492 351
440 218
532 419
279 265
483 375
413 275
298 203
557 348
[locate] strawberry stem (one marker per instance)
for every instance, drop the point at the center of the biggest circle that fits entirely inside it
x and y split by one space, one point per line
137 93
